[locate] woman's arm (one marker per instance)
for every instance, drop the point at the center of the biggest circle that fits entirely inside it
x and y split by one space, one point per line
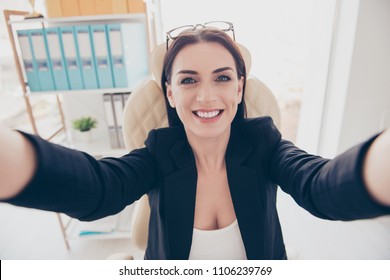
38 174
334 189
376 169
17 162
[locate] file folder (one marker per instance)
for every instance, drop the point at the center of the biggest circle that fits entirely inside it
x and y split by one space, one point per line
72 64
110 119
135 6
87 62
103 7
129 53
56 59
87 7
118 108
117 55
101 56
137 54
42 60
125 96
70 8
29 63
119 6
53 8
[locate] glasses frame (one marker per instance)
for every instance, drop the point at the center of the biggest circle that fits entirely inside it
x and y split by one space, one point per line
195 26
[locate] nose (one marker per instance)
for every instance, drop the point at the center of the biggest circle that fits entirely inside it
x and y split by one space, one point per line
206 94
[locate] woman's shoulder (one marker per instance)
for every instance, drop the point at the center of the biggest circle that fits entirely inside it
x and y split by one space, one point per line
258 129
169 147
258 122
164 136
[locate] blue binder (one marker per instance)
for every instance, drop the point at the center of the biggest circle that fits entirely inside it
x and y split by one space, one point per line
72 63
129 53
101 56
29 62
86 59
56 58
117 55
41 57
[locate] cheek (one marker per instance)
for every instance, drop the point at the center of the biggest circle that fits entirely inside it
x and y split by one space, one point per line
180 103
234 99
182 106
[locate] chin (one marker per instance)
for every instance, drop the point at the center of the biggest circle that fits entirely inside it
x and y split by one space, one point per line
210 132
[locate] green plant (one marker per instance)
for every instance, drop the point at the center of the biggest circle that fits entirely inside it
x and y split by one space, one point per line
84 123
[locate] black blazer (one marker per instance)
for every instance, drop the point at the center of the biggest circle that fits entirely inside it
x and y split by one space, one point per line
257 161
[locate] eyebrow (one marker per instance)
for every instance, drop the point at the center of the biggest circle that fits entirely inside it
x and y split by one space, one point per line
192 72
222 69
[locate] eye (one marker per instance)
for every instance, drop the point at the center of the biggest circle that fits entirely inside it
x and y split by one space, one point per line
187 80
223 78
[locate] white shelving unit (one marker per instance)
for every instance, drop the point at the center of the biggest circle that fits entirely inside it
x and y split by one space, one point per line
112 227
100 146
85 19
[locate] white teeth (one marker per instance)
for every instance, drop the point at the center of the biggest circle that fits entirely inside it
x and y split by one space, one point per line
207 115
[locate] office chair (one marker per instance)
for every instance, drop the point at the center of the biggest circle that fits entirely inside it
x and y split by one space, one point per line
145 110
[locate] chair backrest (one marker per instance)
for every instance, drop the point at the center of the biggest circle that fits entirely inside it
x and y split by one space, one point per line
145 110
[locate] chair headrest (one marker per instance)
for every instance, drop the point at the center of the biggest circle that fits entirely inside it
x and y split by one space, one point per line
157 59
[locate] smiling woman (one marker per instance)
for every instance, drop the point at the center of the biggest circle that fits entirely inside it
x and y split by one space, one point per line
229 71
212 174
277 35
205 90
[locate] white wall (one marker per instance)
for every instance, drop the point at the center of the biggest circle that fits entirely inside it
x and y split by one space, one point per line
320 50
348 88
368 94
275 32
354 92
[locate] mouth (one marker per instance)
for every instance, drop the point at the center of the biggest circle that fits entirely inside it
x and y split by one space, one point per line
207 115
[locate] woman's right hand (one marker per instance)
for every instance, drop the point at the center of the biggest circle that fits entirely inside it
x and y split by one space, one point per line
17 162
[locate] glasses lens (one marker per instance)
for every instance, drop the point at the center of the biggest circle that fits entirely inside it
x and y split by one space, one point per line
222 25
174 33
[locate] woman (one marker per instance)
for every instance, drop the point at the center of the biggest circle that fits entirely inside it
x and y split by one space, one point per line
211 177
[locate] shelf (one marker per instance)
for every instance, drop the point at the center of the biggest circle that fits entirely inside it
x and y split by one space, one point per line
89 91
95 18
111 227
81 91
98 147
120 224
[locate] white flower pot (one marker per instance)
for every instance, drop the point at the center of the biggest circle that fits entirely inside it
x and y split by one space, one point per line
85 136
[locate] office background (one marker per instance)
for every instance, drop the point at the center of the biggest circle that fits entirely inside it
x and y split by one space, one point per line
328 64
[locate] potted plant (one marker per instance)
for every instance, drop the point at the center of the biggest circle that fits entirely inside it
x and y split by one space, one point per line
84 125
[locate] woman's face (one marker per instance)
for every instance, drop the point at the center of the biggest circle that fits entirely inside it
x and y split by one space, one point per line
205 89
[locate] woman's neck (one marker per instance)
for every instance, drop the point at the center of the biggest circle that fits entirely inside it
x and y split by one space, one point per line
209 152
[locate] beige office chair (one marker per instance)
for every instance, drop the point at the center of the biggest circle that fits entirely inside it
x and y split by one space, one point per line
145 110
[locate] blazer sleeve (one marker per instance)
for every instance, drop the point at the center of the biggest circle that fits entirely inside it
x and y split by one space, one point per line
329 189
74 183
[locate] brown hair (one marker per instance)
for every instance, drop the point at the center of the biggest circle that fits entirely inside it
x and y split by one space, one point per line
207 34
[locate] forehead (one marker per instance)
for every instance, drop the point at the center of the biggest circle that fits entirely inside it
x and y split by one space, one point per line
203 56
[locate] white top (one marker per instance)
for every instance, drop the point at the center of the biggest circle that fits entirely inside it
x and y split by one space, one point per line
220 244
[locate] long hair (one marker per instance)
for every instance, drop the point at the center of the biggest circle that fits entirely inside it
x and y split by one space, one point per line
207 34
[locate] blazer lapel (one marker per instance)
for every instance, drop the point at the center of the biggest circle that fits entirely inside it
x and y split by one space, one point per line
179 194
179 201
245 194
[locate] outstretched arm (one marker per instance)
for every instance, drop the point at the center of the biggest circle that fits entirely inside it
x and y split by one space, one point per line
376 169
17 162
353 185
38 174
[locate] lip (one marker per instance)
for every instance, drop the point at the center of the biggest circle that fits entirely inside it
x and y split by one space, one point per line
208 110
